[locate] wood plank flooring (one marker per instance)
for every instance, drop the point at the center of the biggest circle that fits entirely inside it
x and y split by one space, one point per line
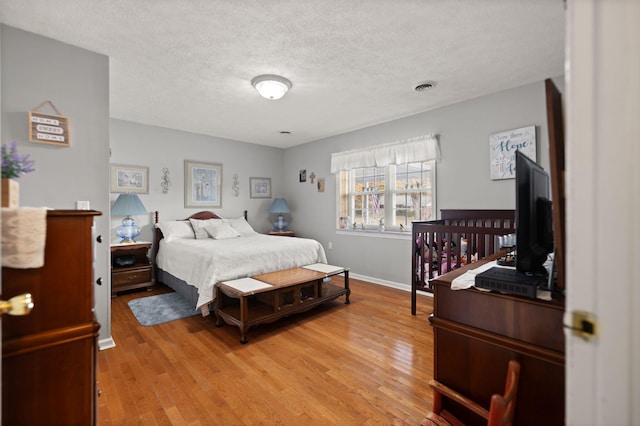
366 363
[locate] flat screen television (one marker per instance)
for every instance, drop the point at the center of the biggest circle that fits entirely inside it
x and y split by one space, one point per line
534 224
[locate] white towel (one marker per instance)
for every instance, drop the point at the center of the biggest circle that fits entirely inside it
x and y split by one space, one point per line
24 234
468 279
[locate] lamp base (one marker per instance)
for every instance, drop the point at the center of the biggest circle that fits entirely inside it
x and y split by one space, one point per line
128 231
280 225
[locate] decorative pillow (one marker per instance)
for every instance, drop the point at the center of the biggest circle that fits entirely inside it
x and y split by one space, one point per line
221 230
176 229
241 225
199 225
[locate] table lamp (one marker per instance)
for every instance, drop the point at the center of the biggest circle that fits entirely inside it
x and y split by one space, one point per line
280 207
127 205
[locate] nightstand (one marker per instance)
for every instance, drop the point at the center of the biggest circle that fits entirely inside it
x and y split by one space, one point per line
130 267
282 233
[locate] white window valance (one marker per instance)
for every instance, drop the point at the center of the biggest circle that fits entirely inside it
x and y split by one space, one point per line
413 150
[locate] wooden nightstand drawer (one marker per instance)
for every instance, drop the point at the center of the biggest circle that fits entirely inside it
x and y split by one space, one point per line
131 276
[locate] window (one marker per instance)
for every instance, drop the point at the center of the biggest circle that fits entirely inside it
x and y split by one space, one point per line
393 195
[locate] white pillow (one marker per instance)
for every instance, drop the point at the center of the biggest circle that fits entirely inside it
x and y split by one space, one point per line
199 225
241 225
176 229
221 230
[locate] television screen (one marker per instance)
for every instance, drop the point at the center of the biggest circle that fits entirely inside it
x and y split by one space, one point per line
534 229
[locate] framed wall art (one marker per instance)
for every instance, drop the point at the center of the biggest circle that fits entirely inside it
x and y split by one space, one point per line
503 147
129 179
260 187
202 184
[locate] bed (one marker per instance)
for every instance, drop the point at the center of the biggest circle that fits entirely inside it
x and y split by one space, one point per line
192 255
458 238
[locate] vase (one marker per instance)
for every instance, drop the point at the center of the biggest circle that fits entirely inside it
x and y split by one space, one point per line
10 193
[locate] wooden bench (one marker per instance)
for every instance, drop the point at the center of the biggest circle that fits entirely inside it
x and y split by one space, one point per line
264 298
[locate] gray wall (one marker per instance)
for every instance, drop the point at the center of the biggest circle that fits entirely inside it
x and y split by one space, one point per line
36 69
463 179
158 147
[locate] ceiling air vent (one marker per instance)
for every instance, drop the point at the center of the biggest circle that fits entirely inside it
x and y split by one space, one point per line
427 85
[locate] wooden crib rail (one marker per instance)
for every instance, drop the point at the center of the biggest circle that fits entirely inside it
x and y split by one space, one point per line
460 237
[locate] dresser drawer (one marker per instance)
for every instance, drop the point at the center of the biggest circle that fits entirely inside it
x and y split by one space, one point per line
131 276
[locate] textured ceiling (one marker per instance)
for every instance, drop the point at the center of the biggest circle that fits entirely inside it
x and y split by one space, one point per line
188 65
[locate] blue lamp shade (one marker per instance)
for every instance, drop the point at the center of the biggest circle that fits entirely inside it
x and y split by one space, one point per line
280 207
128 205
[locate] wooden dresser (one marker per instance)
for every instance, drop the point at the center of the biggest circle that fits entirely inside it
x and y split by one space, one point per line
476 334
49 356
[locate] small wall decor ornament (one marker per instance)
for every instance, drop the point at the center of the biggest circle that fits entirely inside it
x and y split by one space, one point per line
235 186
503 147
164 183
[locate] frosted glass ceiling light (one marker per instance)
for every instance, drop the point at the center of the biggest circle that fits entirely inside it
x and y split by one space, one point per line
271 86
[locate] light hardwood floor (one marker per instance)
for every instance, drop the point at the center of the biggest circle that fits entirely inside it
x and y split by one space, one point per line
366 363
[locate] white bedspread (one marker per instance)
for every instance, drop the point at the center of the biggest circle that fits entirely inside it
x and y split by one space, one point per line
204 262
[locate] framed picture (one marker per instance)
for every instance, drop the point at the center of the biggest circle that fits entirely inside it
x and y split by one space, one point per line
132 179
303 175
202 184
260 187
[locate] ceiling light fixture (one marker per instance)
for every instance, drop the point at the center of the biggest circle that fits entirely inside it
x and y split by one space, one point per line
271 86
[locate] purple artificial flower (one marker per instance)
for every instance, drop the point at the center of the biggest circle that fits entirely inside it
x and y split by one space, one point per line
15 165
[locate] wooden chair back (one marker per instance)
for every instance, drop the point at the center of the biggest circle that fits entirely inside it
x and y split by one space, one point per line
501 410
503 407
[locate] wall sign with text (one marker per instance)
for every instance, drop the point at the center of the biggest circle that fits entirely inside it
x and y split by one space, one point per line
503 147
47 128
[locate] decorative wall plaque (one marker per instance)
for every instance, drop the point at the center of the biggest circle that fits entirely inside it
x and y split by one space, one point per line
48 128
503 147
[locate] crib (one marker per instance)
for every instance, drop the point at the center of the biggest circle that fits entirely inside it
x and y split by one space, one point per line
458 238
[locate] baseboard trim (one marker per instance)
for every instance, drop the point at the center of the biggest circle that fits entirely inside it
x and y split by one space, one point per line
106 343
392 284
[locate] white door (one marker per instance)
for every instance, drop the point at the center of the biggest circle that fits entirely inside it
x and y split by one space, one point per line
602 112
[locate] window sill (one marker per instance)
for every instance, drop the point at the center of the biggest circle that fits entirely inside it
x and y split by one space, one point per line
397 235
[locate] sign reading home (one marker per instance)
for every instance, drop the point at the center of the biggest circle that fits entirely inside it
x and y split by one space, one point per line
503 147
47 128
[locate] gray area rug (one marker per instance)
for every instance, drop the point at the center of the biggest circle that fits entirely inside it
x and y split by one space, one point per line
154 310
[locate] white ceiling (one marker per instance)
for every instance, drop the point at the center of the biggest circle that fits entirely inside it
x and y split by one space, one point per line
188 65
